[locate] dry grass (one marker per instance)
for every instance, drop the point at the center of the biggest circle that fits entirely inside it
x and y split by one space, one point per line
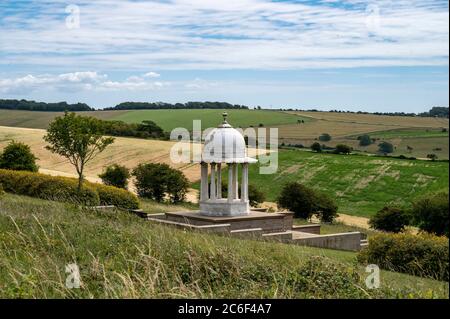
125 151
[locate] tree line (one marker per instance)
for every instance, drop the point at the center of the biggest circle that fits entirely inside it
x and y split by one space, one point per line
42 106
163 106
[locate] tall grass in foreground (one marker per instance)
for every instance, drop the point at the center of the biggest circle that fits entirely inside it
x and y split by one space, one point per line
122 256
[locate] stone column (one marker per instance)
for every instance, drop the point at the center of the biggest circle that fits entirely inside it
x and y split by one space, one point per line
219 181
230 182
204 182
235 182
244 182
213 193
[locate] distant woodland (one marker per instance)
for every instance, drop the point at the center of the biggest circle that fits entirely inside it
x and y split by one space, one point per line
437 111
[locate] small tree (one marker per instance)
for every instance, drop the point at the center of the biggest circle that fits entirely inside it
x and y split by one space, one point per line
18 156
430 213
116 175
255 196
432 157
342 149
297 198
155 181
365 140
316 147
77 138
325 137
385 147
390 219
325 208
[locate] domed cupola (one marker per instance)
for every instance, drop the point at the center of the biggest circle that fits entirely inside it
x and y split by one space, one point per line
224 145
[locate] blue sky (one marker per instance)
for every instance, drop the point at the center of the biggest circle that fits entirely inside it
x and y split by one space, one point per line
354 55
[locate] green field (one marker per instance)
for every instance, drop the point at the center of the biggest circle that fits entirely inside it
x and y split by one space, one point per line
122 256
361 184
170 119
410 133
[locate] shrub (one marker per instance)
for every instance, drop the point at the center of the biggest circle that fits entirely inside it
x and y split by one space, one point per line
325 208
342 149
156 181
432 157
64 189
110 195
61 189
325 137
18 156
385 147
2 192
255 196
430 213
365 140
423 255
116 175
316 147
391 219
297 198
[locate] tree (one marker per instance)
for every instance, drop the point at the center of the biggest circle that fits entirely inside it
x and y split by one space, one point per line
78 138
315 147
409 148
390 219
18 156
430 213
325 137
432 157
385 147
156 181
297 198
255 196
325 208
116 175
342 149
364 140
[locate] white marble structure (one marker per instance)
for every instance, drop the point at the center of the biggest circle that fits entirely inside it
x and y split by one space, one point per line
224 145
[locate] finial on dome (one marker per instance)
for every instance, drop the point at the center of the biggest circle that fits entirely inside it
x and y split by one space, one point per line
225 115
224 124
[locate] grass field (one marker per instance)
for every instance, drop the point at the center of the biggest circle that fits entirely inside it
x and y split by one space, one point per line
424 135
170 119
361 184
126 151
121 256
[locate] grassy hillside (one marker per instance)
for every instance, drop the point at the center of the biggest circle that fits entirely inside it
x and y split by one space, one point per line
122 256
361 184
170 119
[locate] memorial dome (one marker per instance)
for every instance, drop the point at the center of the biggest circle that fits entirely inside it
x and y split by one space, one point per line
225 144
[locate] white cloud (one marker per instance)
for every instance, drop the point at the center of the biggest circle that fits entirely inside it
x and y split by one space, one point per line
224 34
82 81
152 75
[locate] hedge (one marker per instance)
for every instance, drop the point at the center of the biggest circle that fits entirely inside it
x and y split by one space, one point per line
65 189
110 195
424 255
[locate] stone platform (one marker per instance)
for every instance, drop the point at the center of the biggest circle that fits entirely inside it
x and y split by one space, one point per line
268 222
259 225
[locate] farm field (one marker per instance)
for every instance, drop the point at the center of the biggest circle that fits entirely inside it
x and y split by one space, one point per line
126 151
35 119
361 184
167 119
170 119
118 255
424 135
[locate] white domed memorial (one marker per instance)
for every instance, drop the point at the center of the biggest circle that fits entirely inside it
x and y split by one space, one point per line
224 145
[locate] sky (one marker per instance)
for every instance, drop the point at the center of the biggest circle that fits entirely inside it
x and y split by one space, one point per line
385 56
